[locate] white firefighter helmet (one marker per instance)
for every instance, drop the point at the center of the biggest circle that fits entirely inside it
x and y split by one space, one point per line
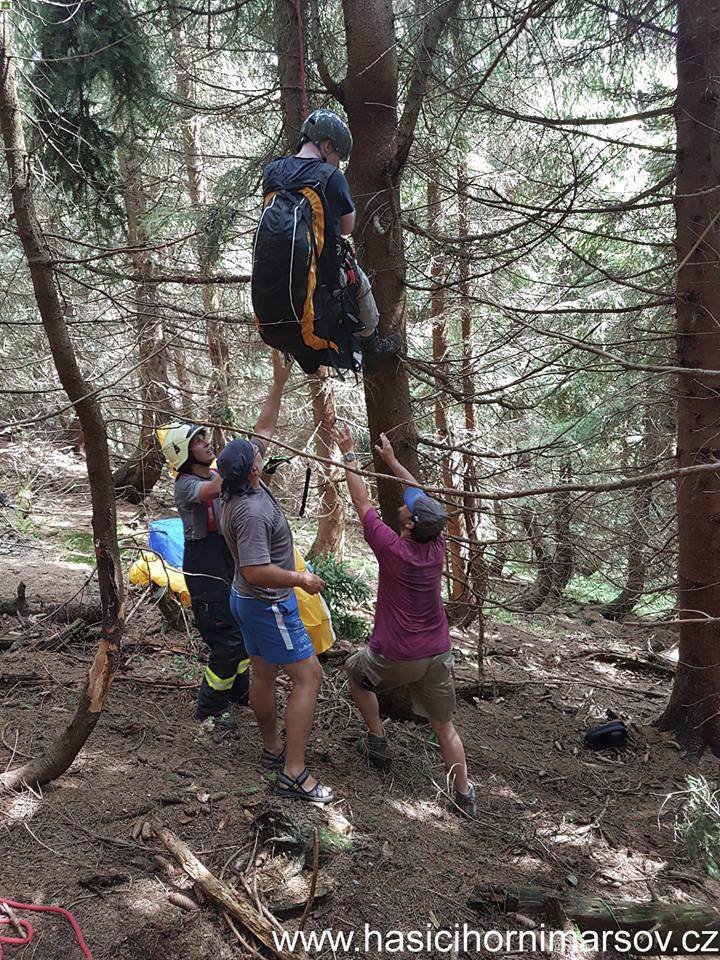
174 442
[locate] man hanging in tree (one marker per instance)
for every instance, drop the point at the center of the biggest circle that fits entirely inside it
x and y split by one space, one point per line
263 602
410 642
208 568
309 294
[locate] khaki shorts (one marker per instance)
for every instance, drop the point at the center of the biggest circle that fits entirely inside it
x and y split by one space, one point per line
429 680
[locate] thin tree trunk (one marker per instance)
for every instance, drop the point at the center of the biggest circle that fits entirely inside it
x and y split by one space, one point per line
628 597
637 550
330 536
458 586
563 555
218 350
60 753
183 381
477 568
370 94
136 478
538 594
497 564
694 708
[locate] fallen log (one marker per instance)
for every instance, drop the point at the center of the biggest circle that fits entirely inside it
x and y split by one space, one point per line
666 923
227 898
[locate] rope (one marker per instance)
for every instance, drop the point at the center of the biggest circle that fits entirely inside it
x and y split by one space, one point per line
28 929
301 57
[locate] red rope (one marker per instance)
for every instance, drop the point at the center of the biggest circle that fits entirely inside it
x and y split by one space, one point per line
301 56
29 932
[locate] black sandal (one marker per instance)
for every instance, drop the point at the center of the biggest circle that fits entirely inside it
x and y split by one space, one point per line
273 761
291 789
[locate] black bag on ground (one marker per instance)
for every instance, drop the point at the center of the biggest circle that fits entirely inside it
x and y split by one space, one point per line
605 735
303 306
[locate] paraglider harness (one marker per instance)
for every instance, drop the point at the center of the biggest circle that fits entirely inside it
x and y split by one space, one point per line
304 293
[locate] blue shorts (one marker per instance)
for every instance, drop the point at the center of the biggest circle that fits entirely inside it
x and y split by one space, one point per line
273 631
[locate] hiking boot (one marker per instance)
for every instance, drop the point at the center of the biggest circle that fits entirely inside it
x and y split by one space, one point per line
466 803
375 348
223 723
376 750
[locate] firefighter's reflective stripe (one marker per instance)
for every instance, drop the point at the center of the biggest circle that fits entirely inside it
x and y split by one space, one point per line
225 683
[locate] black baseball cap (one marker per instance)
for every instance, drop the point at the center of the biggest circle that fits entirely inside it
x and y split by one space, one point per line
427 514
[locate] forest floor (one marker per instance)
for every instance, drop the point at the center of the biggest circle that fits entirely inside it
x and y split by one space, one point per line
552 815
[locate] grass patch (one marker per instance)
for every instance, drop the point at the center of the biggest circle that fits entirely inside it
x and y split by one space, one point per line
698 825
79 547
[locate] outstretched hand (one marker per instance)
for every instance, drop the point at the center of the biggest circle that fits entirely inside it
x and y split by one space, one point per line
281 370
385 449
343 437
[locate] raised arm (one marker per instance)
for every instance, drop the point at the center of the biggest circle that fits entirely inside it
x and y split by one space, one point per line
356 484
387 454
267 421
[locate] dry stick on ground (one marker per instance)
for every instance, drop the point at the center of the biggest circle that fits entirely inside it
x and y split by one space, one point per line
222 894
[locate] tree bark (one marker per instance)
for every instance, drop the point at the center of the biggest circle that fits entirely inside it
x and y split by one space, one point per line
694 707
371 96
290 48
59 755
330 536
219 387
135 479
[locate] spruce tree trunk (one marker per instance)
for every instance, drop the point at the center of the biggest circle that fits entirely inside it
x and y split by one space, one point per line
218 350
371 94
694 708
136 478
60 753
291 51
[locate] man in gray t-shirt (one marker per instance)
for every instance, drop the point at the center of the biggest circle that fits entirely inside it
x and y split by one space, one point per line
263 602
257 533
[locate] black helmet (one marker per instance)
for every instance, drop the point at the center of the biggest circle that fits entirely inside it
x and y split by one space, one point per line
326 125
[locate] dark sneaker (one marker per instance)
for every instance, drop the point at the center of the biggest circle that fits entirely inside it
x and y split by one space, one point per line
466 803
376 348
376 750
223 723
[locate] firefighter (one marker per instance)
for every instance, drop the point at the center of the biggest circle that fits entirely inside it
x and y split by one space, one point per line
209 570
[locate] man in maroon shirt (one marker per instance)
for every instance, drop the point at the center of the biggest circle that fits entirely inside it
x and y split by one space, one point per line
410 643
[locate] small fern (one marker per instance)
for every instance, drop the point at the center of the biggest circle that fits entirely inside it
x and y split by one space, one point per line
344 590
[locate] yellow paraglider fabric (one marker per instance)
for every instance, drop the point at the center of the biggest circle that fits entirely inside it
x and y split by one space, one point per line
314 613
